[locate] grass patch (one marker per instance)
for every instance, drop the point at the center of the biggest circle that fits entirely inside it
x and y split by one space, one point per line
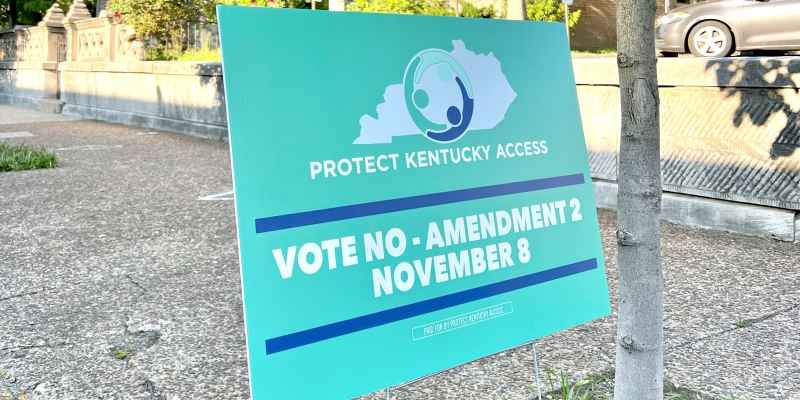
21 157
601 387
593 387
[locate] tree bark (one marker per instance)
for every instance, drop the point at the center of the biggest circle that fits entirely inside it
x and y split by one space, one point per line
640 335
101 5
12 12
516 10
336 5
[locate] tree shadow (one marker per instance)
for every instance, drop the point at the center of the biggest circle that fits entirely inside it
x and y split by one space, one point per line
762 85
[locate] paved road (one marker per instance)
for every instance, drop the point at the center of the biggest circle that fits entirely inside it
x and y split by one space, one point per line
119 280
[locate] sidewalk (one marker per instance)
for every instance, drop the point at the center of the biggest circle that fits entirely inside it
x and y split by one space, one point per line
119 279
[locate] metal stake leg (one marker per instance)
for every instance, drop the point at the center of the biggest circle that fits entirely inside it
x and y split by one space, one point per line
535 371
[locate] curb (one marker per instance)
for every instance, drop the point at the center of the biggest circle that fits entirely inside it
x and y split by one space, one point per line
701 212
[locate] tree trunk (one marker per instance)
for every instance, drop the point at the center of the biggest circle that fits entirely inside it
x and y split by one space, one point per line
640 335
336 5
12 12
101 5
516 10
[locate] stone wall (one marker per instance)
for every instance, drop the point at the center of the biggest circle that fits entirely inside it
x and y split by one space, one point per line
730 130
93 68
29 58
184 97
32 84
99 39
103 77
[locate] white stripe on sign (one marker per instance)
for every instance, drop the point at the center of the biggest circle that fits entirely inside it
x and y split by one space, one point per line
12 135
224 196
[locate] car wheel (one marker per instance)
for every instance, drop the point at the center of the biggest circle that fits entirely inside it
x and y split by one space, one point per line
711 39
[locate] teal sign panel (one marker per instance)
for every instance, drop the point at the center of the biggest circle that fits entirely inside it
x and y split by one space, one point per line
412 193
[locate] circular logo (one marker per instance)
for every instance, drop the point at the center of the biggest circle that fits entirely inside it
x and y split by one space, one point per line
438 95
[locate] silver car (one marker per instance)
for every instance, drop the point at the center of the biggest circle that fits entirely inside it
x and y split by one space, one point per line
717 28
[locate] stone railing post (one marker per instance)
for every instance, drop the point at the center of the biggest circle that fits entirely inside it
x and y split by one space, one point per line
107 32
77 12
516 10
29 58
99 39
8 45
48 39
123 41
52 27
34 43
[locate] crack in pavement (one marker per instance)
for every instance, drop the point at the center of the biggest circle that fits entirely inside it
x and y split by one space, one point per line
35 386
36 346
133 341
136 283
742 324
152 389
23 294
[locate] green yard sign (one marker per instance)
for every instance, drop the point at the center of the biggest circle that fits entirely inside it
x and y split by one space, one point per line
412 193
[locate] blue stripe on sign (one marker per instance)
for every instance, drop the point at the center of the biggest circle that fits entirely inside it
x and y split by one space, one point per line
341 328
287 221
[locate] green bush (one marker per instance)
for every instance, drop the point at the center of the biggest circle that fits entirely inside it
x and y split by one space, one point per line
272 3
207 9
200 55
551 10
427 7
161 21
162 54
469 10
21 157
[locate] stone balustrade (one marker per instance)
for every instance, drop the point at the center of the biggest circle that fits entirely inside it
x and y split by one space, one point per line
103 38
29 58
44 42
13 43
730 135
76 36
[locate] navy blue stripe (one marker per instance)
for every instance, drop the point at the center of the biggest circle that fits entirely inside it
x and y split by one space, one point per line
287 221
341 328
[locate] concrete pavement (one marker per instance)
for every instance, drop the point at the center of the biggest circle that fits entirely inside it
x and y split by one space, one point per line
119 279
